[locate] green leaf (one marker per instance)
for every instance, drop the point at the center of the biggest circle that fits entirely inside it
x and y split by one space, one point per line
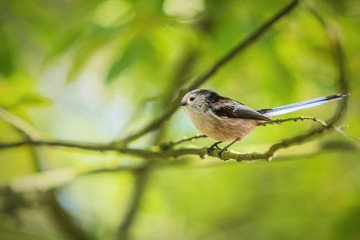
94 39
19 90
6 55
139 49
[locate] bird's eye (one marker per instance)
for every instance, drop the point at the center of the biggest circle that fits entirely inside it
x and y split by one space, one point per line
192 99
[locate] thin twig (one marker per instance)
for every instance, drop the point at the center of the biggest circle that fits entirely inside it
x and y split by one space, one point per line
339 60
168 145
43 183
321 122
26 131
141 177
64 220
18 124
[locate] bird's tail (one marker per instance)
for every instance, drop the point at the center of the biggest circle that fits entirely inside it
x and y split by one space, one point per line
300 105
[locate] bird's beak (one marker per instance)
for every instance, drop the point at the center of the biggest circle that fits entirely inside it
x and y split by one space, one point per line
182 103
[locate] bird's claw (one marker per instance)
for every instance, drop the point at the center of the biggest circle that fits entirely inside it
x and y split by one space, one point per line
212 147
221 151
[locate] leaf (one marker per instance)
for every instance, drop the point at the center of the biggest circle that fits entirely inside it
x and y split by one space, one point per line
33 100
95 38
137 51
19 90
6 53
121 63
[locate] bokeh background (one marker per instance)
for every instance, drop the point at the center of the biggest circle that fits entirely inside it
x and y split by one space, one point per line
95 71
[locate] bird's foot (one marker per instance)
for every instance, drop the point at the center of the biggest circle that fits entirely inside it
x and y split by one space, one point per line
222 150
214 146
226 148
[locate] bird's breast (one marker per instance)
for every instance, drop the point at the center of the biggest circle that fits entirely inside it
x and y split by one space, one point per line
222 129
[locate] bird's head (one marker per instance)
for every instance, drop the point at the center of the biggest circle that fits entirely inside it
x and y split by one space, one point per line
199 98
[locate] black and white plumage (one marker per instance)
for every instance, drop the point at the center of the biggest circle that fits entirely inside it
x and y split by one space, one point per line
225 119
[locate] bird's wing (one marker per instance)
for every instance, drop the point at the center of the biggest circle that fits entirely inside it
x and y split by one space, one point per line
236 109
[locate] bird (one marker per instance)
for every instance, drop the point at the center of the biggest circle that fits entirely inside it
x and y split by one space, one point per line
225 119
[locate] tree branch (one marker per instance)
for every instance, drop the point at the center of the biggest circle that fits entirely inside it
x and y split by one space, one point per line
321 122
168 145
141 177
64 220
156 152
25 130
18 124
339 60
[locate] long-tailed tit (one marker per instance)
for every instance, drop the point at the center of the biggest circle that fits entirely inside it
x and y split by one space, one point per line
225 119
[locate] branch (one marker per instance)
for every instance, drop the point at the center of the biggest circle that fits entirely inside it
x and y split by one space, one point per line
64 220
141 178
243 45
47 181
156 152
54 178
25 130
317 120
168 145
339 60
18 124
270 153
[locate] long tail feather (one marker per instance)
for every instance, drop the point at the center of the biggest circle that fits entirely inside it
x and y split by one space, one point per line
300 105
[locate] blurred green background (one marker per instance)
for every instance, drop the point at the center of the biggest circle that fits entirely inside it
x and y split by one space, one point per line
95 71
